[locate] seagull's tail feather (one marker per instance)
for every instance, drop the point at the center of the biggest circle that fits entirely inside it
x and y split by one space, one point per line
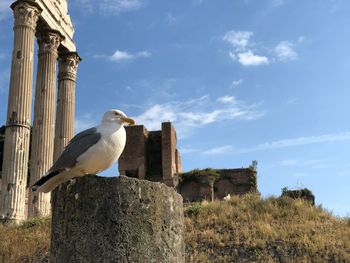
49 181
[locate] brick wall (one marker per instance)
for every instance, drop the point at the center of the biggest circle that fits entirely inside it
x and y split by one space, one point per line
133 162
169 154
151 155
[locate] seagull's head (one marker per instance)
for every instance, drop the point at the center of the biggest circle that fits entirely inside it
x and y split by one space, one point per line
117 116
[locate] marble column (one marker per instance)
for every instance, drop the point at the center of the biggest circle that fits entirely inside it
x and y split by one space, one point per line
65 111
44 119
16 149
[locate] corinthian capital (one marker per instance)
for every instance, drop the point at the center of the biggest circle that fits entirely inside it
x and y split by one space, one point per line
48 41
68 65
26 13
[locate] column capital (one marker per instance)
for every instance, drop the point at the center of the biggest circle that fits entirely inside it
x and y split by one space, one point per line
26 13
68 65
48 41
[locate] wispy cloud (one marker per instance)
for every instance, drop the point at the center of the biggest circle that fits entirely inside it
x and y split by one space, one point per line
285 51
219 150
5 10
196 113
110 7
236 83
227 99
242 48
345 136
123 56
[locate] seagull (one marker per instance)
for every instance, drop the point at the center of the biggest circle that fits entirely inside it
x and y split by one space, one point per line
89 152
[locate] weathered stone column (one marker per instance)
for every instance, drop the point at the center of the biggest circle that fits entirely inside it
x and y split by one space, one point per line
65 111
44 119
116 219
16 149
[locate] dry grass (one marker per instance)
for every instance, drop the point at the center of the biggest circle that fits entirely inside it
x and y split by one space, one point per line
244 229
28 242
250 229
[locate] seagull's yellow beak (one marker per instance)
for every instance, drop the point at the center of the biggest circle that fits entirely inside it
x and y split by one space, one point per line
128 120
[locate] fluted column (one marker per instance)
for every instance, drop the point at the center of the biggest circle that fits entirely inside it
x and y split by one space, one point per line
44 118
16 150
65 111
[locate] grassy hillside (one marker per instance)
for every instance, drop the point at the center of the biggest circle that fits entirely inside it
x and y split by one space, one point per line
244 229
249 229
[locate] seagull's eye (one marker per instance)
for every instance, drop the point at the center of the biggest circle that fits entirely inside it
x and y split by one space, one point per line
116 113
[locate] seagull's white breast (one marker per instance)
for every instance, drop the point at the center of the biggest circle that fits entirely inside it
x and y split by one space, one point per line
105 152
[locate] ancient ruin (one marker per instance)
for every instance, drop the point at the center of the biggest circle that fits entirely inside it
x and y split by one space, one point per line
152 155
49 22
211 184
304 194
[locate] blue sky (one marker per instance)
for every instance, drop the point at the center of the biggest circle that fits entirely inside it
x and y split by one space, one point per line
242 80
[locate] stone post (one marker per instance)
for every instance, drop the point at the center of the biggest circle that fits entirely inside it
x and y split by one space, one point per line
65 111
44 118
169 154
116 219
16 149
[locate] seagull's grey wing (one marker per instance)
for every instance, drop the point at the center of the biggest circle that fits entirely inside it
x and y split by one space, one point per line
76 147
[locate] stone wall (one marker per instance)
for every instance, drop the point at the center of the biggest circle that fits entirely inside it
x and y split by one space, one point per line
235 182
228 182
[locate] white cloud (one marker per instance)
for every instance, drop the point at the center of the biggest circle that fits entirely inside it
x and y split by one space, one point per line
236 83
250 59
219 150
196 113
285 51
238 39
122 56
244 51
227 99
5 10
345 136
241 48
